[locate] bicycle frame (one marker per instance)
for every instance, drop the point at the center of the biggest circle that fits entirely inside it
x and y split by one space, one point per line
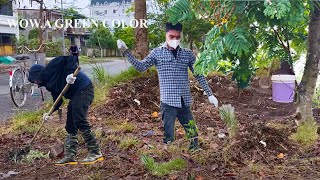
25 87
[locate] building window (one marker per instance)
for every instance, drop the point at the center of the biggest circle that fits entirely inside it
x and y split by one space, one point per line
114 11
97 12
7 39
6 9
122 10
105 11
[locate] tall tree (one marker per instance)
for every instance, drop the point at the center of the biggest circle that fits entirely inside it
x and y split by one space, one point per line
141 33
243 28
310 74
41 22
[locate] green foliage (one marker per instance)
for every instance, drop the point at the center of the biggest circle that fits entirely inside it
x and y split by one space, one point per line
236 45
33 33
239 42
34 155
162 169
123 77
26 122
242 72
3 2
194 31
126 127
156 35
102 37
191 128
72 13
128 142
100 74
279 8
306 133
127 35
246 31
54 48
228 116
180 11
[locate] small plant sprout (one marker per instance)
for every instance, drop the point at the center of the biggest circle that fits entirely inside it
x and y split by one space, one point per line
227 114
191 129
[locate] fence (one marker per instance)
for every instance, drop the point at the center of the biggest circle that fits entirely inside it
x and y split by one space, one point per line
97 52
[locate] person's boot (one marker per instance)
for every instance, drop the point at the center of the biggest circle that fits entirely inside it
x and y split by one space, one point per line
95 154
70 151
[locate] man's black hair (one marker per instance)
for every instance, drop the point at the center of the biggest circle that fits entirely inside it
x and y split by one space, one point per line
170 26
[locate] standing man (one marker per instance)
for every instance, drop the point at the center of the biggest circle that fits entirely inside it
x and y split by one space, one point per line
54 77
74 50
172 63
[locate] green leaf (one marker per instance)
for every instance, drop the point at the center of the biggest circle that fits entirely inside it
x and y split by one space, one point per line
180 11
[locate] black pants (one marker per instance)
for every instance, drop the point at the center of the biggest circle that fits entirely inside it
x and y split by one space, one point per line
184 115
78 109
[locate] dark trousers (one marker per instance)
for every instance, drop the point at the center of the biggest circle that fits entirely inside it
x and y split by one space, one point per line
78 109
184 115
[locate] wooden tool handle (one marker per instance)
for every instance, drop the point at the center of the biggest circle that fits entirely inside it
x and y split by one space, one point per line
65 89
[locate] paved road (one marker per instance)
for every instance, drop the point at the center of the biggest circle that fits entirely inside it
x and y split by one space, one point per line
7 109
113 67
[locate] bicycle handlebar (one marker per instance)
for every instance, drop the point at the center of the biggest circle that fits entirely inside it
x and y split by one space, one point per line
33 50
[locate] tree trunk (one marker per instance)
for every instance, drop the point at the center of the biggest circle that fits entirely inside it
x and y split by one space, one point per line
141 33
41 31
190 42
310 74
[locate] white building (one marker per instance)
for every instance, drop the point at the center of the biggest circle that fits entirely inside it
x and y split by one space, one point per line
8 14
112 12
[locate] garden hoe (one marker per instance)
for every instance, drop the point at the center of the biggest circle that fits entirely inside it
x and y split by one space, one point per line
18 154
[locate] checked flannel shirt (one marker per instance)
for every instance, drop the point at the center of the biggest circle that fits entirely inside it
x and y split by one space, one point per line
172 72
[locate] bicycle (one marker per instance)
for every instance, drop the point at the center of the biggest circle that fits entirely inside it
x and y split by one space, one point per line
18 83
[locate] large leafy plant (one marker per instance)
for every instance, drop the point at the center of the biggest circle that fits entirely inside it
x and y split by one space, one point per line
242 30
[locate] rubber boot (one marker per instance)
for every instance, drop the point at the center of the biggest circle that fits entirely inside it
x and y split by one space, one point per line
70 151
95 154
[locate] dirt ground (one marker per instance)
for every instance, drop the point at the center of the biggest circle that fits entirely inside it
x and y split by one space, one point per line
245 157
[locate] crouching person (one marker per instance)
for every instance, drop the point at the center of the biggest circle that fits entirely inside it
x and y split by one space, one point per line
54 77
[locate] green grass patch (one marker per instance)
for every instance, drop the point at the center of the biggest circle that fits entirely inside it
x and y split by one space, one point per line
90 60
28 121
100 95
124 76
165 168
128 142
306 133
126 127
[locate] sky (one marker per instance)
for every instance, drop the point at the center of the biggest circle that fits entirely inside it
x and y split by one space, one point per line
80 5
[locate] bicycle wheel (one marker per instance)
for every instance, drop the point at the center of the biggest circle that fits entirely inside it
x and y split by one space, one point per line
17 90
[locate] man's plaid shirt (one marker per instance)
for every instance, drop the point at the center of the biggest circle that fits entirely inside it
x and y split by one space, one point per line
172 72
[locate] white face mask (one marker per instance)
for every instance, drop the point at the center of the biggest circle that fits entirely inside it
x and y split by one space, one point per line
174 43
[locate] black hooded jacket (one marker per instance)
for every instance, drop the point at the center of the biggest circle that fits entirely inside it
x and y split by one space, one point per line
53 77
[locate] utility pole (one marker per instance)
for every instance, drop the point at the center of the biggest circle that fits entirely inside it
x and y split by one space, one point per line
63 43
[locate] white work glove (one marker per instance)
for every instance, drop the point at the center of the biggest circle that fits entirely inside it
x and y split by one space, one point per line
213 100
121 45
45 117
70 79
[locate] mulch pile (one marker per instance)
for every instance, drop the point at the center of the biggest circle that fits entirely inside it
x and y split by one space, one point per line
260 119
